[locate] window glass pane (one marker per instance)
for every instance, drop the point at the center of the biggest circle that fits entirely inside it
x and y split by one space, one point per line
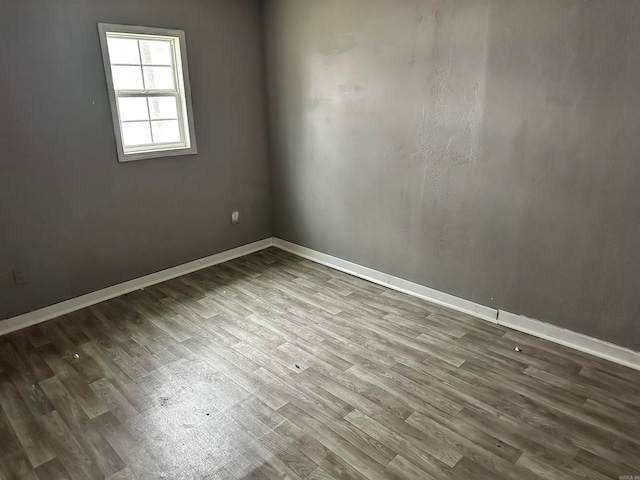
163 107
133 109
123 50
158 78
136 133
127 78
166 131
156 52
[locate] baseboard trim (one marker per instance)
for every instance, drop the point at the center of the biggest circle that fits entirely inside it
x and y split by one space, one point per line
395 283
569 338
47 313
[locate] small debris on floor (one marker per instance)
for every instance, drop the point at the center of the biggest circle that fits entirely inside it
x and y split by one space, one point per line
76 356
208 414
297 366
517 349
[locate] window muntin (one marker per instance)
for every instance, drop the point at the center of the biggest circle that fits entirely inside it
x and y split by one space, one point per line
148 86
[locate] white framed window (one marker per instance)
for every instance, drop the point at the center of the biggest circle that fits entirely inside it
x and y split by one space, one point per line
148 82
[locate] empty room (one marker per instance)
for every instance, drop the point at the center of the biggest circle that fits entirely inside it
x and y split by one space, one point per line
316 239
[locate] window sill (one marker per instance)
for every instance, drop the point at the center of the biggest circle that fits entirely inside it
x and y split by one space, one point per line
171 152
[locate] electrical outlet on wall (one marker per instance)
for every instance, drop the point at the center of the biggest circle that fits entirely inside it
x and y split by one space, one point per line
235 217
20 277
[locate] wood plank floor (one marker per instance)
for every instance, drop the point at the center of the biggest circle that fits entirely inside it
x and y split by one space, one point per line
271 366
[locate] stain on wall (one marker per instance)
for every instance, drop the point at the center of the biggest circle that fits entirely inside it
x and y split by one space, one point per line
486 148
73 218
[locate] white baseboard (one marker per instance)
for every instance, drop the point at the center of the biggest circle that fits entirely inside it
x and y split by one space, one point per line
568 338
395 283
47 313
571 339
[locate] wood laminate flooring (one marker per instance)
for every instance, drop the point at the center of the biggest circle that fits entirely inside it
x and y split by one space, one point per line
271 366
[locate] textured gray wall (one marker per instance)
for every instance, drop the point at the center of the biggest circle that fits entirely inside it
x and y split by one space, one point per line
486 148
72 217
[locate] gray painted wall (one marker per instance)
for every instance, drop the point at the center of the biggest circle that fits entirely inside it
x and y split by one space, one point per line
486 148
72 217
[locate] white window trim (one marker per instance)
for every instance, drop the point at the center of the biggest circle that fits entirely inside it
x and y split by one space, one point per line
184 86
